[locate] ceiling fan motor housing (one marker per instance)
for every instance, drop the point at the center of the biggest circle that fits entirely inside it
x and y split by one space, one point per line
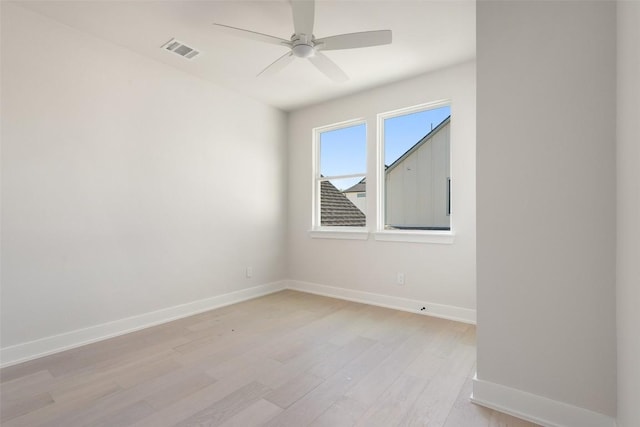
303 45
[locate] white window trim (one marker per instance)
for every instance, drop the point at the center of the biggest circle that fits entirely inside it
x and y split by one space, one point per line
346 233
317 230
416 236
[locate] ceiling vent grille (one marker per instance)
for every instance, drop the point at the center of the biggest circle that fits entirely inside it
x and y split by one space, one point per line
181 49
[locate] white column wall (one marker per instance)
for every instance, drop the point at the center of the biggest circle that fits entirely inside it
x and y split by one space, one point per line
628 183
547 203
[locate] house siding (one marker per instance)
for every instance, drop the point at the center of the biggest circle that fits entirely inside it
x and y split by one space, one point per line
416 188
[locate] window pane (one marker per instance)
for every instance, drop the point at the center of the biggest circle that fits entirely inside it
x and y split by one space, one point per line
343 151
416 155
343 202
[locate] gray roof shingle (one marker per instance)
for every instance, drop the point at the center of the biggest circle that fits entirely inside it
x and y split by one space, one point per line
337 210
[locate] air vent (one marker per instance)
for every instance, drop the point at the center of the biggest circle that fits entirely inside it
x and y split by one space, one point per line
181 49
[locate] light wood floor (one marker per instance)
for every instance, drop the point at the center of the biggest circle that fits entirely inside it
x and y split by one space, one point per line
287 359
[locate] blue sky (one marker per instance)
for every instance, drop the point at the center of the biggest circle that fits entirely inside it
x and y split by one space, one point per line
402 132
344 151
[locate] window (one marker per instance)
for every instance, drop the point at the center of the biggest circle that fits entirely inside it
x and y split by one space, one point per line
340 170
414 175
412 187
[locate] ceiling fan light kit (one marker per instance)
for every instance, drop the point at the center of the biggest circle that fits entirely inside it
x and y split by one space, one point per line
303 43
303 46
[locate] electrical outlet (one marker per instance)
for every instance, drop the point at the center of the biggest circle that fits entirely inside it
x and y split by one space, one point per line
249 272
400 279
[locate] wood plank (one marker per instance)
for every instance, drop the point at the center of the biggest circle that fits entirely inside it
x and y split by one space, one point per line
434 402
376 382
389 409
178 389
62 409
230 405
25 386
256 414
313 404
85 390
186 407
334 361
25 405
293 390
345 412
299 365
125 416
144 372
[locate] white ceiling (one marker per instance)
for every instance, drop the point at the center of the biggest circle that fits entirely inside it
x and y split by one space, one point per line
427 35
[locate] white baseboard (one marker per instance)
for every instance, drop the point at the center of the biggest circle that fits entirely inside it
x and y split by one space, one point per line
534 408
56 343
68 340
449 312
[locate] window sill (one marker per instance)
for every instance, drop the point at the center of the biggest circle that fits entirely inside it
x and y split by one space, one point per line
411 236
414 236
340 233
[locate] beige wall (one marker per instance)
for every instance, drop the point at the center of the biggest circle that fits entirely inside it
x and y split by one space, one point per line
546 200
119 193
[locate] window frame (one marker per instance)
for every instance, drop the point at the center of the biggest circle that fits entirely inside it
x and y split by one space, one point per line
417 236
335 232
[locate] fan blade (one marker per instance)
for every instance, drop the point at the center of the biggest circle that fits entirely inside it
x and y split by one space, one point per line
277 65
248 34
303 16
328 68
354 40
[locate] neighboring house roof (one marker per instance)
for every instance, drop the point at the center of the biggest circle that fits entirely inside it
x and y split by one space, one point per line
360 187
337 210
418 144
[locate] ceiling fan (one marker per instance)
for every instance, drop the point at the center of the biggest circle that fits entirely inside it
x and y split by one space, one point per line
303 44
